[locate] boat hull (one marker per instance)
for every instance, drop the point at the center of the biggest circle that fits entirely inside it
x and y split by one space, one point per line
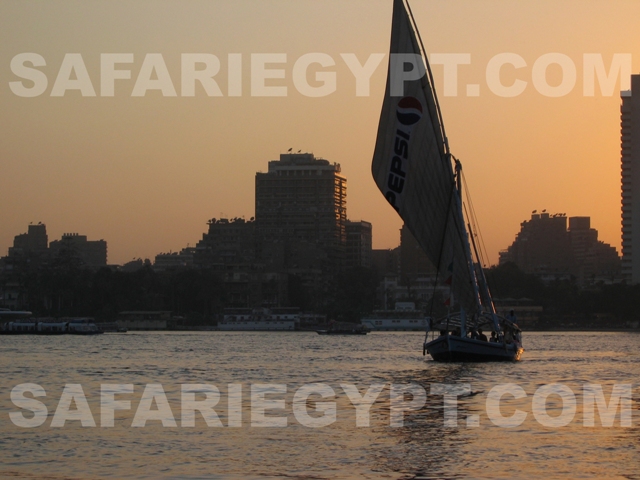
449 348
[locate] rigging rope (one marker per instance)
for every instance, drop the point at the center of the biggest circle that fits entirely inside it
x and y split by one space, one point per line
473 220
475 230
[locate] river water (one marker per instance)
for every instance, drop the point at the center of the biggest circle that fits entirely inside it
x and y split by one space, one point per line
550 438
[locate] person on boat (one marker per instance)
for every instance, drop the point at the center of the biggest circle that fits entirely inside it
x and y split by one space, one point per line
517 338
494 337
508 335
481 336
511 316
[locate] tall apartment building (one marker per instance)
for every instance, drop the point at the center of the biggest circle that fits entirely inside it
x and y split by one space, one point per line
630 156
301 213
359 244
301 216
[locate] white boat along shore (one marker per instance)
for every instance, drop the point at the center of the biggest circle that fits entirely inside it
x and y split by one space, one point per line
404 317
51 326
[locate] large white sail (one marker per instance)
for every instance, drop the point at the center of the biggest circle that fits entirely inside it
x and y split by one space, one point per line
412 167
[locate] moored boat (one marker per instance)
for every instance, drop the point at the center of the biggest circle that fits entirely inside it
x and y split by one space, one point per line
342 332
50 326
343 328
82 326
260 319
404 317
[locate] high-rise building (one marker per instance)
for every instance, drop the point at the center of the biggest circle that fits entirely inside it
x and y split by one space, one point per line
301 213
630 155
301 216
359 241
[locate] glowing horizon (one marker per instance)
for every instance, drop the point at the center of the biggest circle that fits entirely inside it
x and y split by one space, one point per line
145 173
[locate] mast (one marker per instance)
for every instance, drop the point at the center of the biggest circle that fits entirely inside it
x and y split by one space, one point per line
465 236
432 85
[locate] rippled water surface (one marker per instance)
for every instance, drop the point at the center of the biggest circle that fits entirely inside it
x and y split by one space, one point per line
423 447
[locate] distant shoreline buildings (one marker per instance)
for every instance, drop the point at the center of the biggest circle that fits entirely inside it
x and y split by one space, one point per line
31 252
547 248
34 245
301 241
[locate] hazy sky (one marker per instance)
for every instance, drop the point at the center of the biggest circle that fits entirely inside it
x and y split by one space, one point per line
146 172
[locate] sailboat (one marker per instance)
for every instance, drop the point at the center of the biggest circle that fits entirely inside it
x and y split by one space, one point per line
421 179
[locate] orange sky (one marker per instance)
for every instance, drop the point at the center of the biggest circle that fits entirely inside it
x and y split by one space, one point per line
146 172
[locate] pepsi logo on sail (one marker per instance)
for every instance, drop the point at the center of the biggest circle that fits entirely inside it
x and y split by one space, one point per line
408 113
